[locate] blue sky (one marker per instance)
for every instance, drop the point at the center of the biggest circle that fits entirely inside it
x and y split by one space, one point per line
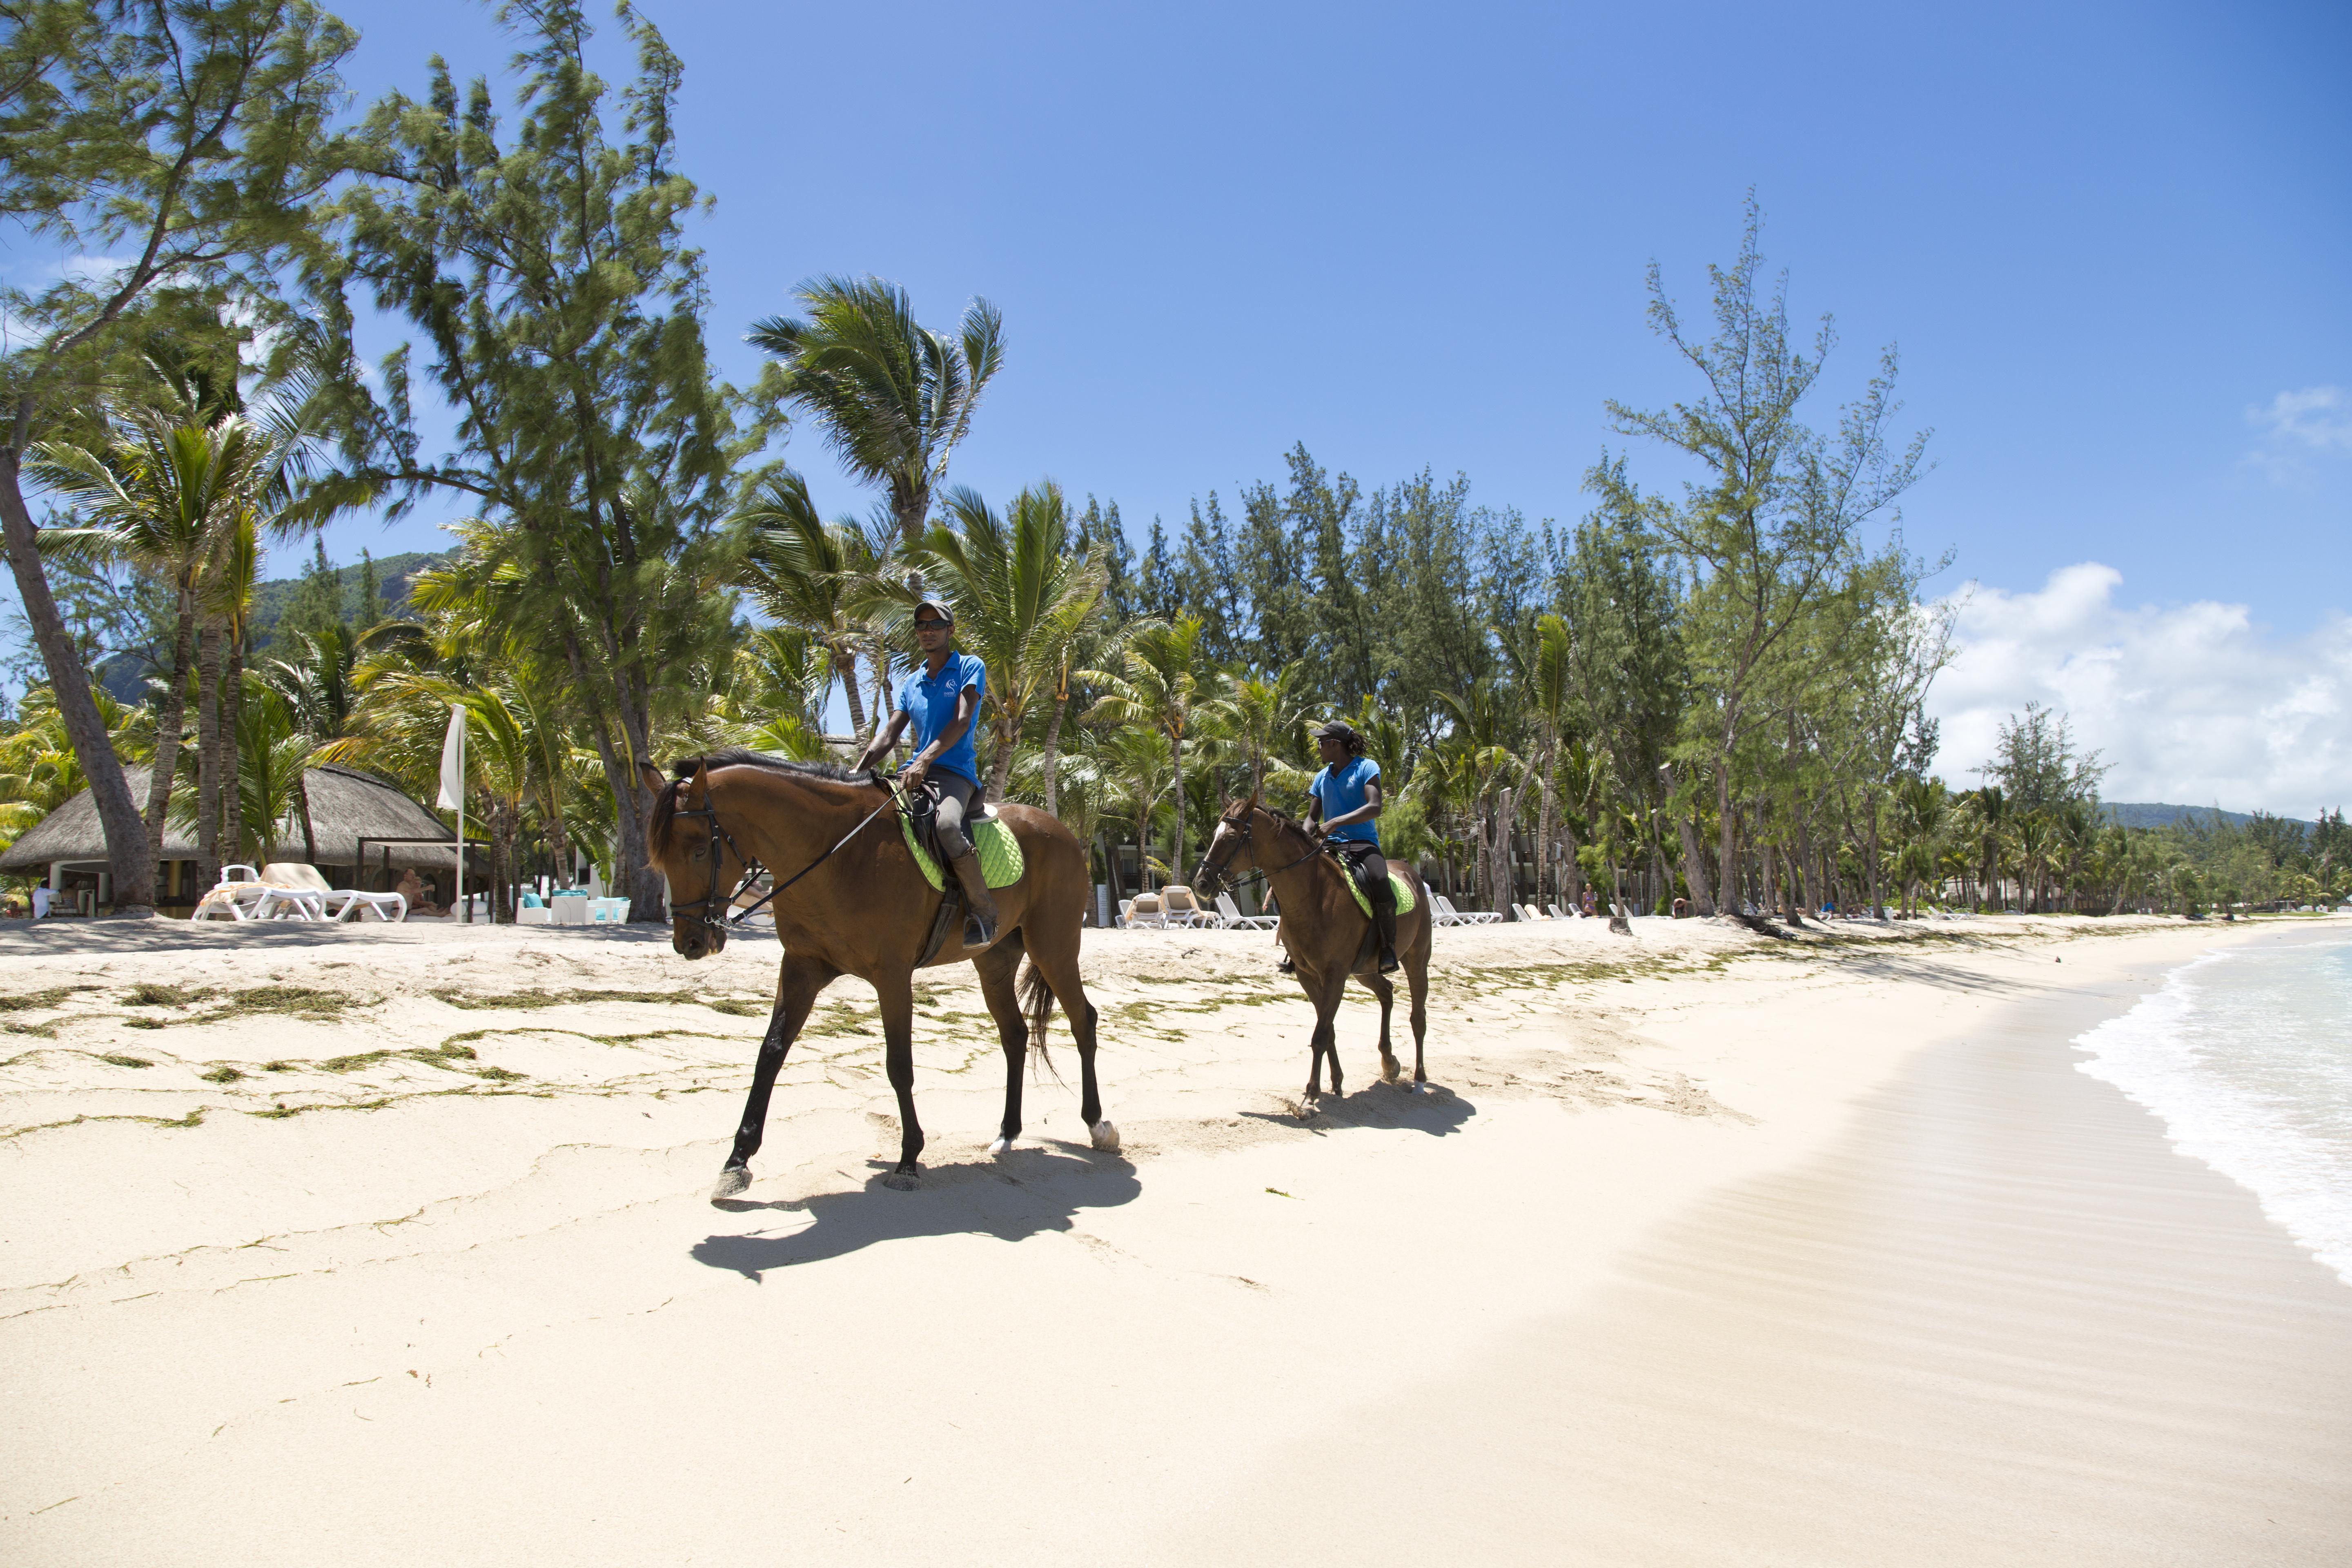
2109 241
2101 236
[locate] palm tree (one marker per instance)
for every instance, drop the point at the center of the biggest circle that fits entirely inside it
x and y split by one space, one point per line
1266 713
1551 693
1022 598
1164 672
806 573
893 396
161 494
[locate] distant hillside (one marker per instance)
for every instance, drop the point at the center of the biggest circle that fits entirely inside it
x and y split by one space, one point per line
125 677
394 574
2156 813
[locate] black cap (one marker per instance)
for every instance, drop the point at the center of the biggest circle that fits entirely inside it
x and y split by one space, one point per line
946 610
1337 730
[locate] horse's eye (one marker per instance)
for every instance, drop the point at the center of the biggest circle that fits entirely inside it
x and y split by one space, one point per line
697 855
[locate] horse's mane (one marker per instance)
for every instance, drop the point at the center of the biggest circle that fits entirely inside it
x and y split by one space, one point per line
658 831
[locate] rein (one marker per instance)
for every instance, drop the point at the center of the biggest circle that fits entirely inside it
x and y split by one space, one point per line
715 919
1242 840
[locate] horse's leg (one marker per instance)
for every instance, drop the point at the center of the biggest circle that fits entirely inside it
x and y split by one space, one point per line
797 985
1056 960
1380 985
1325 1041
1416 973
995 966
894 993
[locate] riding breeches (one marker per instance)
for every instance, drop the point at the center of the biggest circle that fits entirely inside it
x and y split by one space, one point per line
955 800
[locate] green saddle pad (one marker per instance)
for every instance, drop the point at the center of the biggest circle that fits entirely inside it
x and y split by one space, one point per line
999 853
1403 889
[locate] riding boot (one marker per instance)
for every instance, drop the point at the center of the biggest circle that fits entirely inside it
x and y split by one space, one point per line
1384 922
979 919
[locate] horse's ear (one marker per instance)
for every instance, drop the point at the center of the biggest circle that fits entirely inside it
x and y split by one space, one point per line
651 777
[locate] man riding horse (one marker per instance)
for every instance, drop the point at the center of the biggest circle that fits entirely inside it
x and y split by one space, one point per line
1343 814
943 702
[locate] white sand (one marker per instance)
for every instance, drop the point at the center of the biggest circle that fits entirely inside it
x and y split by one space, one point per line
1540 1314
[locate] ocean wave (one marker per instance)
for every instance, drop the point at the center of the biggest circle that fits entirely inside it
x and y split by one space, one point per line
2244 1056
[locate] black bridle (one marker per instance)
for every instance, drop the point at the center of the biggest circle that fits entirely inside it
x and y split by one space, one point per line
710 908
1246 824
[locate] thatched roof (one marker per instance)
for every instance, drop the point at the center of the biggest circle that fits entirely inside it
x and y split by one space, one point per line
347 804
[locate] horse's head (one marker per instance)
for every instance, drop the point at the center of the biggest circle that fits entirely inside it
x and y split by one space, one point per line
683 844
1232 845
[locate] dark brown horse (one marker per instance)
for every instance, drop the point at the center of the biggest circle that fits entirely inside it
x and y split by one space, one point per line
851 900
1327 932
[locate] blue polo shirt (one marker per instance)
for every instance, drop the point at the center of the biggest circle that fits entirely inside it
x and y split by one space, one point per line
1342 791
931 701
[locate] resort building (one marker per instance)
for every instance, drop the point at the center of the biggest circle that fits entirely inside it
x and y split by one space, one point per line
361 832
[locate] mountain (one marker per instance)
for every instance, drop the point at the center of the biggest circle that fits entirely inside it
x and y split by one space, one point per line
2157 813
125 677
394 574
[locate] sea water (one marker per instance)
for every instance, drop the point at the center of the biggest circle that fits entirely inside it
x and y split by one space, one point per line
2246 1056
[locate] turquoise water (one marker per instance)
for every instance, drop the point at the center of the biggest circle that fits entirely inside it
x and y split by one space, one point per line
2246 1056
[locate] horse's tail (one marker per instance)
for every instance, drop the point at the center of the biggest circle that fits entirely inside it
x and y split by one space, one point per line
1038 1004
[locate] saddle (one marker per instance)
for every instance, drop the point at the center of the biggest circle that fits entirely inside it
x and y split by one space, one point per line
1000 856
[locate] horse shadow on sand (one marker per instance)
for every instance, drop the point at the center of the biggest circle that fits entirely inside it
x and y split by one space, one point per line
1435 1112
1030 1192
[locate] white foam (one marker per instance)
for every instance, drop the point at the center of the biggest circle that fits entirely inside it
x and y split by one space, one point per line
2245 1057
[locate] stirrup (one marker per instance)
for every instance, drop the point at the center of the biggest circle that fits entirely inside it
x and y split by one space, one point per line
1390 963
979 931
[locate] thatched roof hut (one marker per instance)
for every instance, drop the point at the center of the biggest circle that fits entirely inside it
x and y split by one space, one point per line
353 813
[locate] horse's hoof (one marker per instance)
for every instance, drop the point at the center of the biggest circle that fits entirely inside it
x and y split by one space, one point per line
1000 1149
902 1180
734 1180
1106 1137
1390 1072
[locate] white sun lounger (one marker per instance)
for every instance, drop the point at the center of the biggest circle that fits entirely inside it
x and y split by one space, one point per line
1445 907
303 894
1236 920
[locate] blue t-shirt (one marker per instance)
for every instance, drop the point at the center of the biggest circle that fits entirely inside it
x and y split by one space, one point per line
1342 791
931 701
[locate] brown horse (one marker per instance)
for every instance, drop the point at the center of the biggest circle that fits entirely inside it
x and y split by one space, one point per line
1327 932
851 900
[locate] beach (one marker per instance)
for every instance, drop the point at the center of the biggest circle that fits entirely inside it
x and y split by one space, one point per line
1699 1247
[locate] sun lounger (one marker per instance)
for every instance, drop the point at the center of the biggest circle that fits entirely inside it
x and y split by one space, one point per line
1236 920
1445 907
1183 909
299 891
234 897
1144 913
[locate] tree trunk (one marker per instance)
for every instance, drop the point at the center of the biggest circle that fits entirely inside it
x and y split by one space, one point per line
133 867
168 725
208 687
309 835
1053 757
1000 766
232 771
845 665
1877 906
1176 837
1544 823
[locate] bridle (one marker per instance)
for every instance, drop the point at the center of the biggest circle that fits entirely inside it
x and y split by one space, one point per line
1246 824
710 908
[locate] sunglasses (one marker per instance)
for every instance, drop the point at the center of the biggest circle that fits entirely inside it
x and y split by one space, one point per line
929 626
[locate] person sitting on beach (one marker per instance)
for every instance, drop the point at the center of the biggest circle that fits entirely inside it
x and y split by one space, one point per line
418 894
941 699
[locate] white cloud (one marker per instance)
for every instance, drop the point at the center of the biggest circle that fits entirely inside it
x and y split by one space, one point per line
2191 703
2316 416
2297 425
